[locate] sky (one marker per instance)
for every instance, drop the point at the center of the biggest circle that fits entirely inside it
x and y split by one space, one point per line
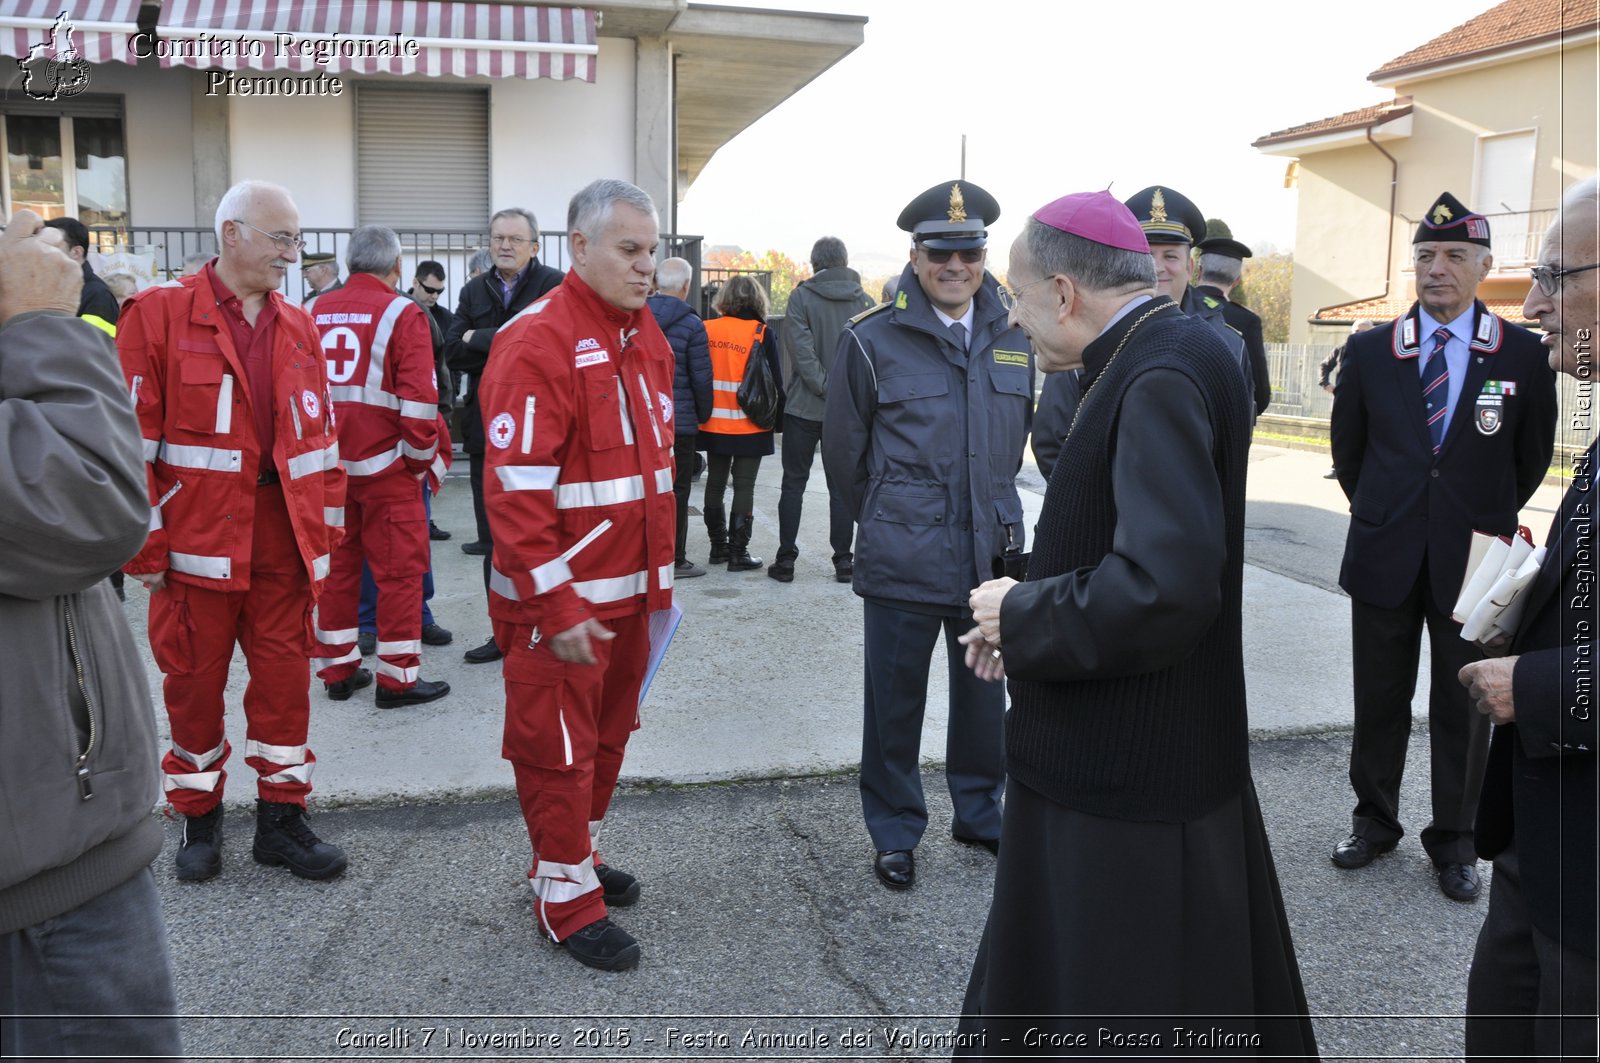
1054 96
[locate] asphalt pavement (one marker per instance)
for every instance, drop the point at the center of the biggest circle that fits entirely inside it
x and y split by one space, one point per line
764 934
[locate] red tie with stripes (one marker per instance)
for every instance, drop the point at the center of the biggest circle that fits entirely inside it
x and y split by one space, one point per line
1436 387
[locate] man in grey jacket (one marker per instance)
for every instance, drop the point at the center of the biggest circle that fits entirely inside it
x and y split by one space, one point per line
818 311
82 942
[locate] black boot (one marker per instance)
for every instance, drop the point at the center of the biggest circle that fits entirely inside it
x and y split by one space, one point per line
200 849
717 532
283 837
739 559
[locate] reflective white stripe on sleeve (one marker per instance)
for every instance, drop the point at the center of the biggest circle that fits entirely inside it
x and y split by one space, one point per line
216 459
501 584
314 461
340 637
300 773
418 453
527 425
663 481
201 565
152 449
614 589
320 566
319 663
664 576
438 466
381 337
421 411
555 883
155 524
195 780
399 646
399 675
200 760
600 492
725 385
333 516
225 405
528 477
550 575
375 464
275 754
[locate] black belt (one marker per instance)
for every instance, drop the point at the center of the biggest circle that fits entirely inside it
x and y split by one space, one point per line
268 476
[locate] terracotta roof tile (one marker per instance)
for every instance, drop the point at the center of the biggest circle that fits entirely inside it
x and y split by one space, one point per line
1398 107
1504 26
1381 310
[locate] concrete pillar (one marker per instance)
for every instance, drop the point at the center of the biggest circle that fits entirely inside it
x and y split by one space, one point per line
212 152
655 142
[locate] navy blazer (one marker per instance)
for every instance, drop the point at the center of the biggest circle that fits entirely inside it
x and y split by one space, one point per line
1407 505
1540 782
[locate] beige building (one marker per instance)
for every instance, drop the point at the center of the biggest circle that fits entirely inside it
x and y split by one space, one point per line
1499 111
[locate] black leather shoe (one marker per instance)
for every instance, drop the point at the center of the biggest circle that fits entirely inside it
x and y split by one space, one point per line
434 635
844 571
200 848
896 868
485 654
436 533
604 946
782 571
1355 851
367 643
341 691
620 889
477 549
1459 882
418 693
991 844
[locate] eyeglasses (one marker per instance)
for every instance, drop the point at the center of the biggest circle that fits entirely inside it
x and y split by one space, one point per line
430 289
939 256
285 241
514 241
1548 278
1010 297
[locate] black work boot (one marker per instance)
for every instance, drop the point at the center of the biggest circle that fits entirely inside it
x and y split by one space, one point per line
603 945
717 532
619 888
284 838
357 680
739 559
200 848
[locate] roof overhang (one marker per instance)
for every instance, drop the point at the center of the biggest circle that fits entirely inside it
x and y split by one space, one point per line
1397 128
733 64
1546 45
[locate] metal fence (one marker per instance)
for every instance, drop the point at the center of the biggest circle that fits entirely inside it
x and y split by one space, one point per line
1296 370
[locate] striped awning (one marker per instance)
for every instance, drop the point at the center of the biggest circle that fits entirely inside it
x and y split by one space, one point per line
96 31
406 37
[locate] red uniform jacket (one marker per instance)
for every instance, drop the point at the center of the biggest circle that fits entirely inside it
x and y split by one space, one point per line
577 411
379 351
200 441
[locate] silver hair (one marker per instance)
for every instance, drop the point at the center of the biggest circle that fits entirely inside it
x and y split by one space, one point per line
1095 266
240 198
829 253
1360 324
518 212
673 274
372 249
1224 269
479 262
590 210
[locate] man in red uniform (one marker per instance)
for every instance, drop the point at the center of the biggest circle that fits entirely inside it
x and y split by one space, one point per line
381 375
247 501
577 408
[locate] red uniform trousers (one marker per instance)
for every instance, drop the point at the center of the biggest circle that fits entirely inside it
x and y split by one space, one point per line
192 634
385 523
566 728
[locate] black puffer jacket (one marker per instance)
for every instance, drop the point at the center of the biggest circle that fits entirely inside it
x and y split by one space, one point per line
691 381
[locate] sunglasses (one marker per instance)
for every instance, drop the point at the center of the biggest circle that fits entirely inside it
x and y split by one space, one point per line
430 289
939 256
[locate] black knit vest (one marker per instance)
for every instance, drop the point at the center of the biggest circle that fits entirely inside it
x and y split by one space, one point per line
1166 745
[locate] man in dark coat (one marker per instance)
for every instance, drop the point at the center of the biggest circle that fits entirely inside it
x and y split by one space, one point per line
1221 266
691 388
97 300
927 412
1136 895
487 302
1532 991
1443 422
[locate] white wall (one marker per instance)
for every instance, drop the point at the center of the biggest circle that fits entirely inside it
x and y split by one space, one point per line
305 143
550 138
156 132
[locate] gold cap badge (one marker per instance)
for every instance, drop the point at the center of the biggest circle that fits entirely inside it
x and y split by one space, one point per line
1441 214
958 205
1158 207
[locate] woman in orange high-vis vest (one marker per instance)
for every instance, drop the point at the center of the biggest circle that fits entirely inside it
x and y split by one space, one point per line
729 438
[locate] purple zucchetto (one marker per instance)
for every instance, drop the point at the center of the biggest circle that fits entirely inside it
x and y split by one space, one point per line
1096 216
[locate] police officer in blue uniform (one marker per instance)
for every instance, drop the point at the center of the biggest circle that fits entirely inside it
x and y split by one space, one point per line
929 405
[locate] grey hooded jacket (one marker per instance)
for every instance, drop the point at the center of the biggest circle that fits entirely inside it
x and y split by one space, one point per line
818 311
78 757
